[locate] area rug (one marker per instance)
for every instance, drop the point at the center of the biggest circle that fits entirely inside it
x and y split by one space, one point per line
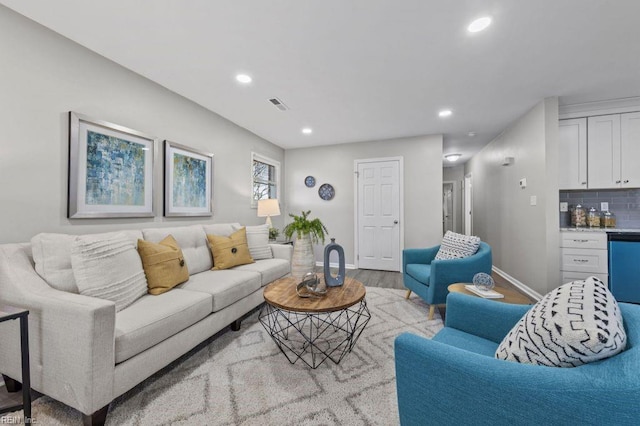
241 378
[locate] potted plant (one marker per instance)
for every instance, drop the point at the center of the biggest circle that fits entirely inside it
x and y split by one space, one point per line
273 233
307 232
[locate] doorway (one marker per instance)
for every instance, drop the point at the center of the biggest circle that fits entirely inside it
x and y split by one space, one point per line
448 207
379 213
468 205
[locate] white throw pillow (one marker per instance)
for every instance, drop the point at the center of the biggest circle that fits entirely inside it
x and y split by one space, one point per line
577 323
457 246
52 258
258 242
108 268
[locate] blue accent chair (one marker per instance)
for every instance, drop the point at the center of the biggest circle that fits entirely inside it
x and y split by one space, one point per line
454 378
429 278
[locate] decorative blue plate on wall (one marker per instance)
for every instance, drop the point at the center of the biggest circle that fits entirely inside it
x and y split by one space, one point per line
326 191
310 181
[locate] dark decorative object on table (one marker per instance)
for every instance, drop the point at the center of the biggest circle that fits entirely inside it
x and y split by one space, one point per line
326 192
273 233
338 280
310 181
311 286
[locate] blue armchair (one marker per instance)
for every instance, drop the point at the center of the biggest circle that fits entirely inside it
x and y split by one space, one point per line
454 378
429 278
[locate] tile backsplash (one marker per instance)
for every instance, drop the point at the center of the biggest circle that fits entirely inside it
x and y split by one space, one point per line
624 203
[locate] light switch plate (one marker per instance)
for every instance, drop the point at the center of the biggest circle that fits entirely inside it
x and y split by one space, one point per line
523 183
564 207
604 206
533 200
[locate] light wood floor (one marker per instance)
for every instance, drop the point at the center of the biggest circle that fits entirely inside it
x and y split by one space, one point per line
388 279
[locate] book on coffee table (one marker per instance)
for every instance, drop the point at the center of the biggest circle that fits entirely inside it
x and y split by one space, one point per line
487 294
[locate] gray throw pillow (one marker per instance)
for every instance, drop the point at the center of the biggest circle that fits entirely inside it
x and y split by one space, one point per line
577 323
457 246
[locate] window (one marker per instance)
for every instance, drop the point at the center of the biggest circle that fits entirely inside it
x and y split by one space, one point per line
265 178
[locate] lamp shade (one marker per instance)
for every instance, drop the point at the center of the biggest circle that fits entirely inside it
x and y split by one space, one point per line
268 208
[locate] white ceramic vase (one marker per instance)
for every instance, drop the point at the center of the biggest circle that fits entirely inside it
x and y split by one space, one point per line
302 260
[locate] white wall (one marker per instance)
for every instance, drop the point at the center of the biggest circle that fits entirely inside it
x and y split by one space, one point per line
335 165
42 77
524 238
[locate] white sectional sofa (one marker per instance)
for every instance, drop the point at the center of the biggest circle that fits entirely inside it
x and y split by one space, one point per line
83 353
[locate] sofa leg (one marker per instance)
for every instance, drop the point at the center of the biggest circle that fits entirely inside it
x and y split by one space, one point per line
235 326
432 311
96 419
12 385
408 294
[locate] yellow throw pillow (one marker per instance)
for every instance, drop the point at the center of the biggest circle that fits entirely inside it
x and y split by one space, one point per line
163 264
230 251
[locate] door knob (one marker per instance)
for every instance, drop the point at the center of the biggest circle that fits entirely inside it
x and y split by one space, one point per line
395 222
626 181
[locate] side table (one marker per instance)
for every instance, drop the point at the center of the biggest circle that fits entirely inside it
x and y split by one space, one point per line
8 313
510 296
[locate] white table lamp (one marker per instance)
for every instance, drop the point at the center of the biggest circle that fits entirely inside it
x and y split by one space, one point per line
268 208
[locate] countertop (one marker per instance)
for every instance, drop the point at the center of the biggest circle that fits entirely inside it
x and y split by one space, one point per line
574 229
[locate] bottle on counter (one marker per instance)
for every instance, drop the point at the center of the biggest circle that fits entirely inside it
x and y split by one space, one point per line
608 220
578 216
593 218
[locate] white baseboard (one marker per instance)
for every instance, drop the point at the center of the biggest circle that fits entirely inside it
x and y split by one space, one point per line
335 265
526 289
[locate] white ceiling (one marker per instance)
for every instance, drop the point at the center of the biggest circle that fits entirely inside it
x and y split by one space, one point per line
357 70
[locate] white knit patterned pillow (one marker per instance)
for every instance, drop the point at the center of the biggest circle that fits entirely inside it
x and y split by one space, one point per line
577 323
108 268
258 242
457 246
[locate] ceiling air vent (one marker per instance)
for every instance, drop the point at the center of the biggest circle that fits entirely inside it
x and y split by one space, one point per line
278 104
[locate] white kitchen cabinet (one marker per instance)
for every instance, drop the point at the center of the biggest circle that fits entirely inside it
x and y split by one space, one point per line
583 254
630 149
613 149
573 154
604 151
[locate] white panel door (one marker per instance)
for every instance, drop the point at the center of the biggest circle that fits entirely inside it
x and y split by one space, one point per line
630 149
468 205
448 215
604 151
573 154
378 215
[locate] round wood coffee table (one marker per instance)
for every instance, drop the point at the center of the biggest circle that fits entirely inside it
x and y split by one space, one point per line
314 329
510 296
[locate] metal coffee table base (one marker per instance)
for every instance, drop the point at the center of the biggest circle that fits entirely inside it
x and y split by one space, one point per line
315 336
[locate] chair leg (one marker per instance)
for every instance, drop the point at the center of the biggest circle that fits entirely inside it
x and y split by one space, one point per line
432 311
408 294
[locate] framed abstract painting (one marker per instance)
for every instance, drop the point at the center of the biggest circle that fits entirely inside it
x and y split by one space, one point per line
110 170
188 181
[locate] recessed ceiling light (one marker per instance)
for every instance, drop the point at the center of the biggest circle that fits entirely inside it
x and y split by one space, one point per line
479 24
472 134
445 113
452 157
243 78
307 130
